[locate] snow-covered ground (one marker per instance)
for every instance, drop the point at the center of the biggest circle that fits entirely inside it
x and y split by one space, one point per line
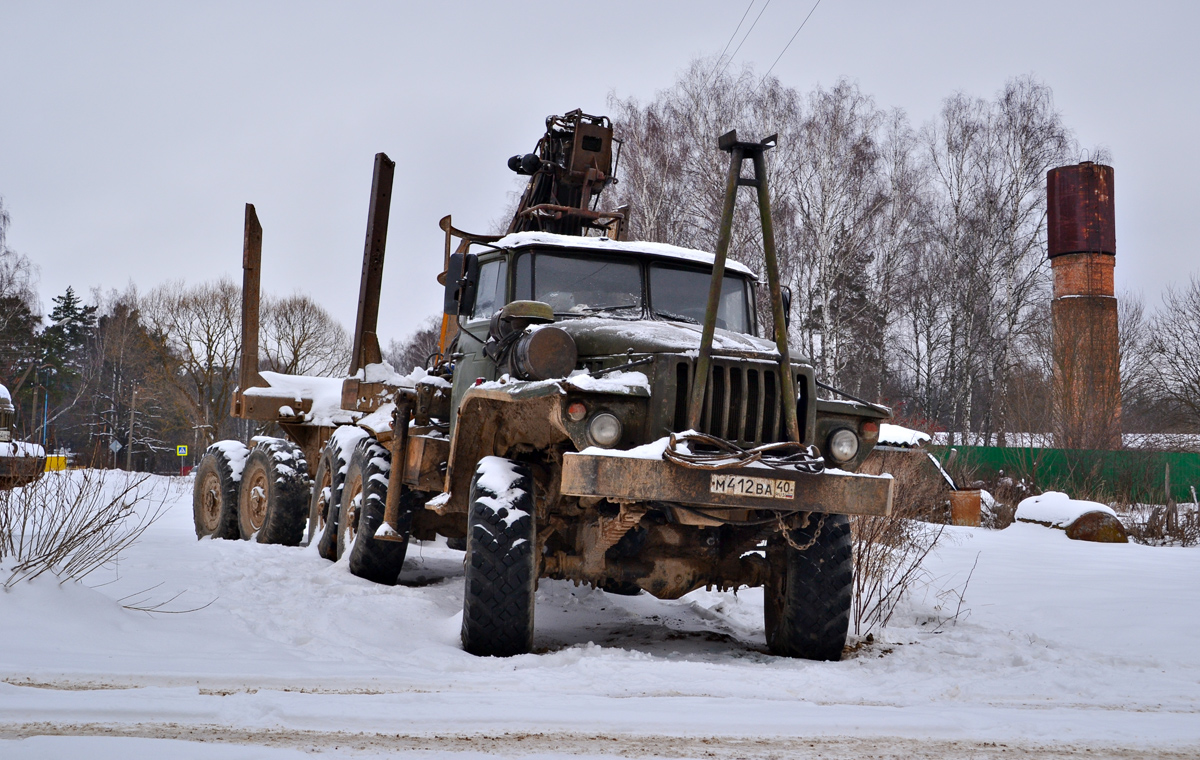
1059 648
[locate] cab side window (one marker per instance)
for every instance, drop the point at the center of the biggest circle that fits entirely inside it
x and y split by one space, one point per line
493 279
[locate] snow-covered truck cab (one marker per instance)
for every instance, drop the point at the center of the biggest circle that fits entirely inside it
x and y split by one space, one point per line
572 367
616 302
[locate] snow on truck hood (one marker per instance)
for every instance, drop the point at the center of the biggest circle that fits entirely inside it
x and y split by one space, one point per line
522 239
595 336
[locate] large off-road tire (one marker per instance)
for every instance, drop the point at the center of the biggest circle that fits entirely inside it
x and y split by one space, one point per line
215 493
364 495
339 450
809 591
501 569
273 499
326 482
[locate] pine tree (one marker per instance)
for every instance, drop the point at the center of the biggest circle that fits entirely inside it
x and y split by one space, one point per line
63 354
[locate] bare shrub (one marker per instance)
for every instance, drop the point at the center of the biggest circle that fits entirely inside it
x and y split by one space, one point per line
1161 524
888 551
418 348
73 524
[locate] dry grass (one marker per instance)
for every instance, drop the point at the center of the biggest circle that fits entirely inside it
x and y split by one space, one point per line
889 551
1161 525
71 524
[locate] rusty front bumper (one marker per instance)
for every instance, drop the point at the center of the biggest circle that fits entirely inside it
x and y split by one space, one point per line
624 479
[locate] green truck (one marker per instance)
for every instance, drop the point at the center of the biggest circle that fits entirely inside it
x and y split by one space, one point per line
599 410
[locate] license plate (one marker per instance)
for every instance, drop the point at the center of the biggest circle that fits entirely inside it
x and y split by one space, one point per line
741 485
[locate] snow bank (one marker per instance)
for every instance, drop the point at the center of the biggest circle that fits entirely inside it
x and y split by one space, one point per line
897 435
21 449
1057 509
519 239
284 644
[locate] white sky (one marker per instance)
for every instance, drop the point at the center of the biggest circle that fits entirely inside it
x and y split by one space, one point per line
132 134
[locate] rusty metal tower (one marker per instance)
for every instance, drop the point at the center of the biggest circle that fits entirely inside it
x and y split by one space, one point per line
1082 247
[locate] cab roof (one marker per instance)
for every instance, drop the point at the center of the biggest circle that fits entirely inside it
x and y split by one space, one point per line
659 250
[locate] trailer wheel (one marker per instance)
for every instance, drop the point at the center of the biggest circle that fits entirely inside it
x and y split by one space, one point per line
273 500
809 590
364 496
339 450
501 568
215 494
327 489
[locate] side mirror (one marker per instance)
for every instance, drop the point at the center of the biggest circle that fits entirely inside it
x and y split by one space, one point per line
786 295
462 282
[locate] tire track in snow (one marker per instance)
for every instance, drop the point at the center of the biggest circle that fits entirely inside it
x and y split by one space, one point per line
522 743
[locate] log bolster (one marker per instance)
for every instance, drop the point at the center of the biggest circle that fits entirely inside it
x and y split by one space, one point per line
250 405
624 479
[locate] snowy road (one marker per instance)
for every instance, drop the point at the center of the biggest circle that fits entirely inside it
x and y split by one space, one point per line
1062 648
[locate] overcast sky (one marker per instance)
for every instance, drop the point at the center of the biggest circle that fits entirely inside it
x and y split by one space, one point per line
131 134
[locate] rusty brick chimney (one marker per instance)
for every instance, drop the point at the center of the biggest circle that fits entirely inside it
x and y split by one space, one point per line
1082 245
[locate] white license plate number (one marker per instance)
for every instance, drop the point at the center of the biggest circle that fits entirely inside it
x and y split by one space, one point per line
741 485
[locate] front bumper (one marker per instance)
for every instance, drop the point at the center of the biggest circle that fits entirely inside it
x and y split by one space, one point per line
625 479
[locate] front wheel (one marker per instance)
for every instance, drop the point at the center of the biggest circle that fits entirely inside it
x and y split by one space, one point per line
809 590
501 569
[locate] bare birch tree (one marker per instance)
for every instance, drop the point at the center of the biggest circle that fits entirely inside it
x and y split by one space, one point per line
1175 336
200 328
299 337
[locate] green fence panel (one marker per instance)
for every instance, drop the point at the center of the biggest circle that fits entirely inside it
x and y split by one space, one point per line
1132 475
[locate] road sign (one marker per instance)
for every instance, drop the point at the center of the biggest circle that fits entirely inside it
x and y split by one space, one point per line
115 446
181 451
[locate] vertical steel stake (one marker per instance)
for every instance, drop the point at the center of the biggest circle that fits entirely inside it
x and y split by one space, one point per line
251 267
725 233
738 152
366 342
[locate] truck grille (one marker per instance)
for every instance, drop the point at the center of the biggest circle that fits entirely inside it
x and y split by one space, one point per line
741 403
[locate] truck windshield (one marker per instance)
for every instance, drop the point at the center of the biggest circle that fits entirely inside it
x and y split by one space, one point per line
613 287
577 285
681 294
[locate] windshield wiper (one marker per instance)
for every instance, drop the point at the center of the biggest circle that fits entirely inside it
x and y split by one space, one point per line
676 317
591 309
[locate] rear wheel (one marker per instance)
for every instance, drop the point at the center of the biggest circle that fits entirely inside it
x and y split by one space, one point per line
273 500
501 569
324 488
215 494
364 495
809 589
339 450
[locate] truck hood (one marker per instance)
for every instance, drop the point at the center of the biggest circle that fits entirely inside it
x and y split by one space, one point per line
597 336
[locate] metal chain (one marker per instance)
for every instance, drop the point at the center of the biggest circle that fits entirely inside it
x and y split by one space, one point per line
787 534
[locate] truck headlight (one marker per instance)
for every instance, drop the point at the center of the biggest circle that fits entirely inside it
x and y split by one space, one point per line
604 429
843 445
